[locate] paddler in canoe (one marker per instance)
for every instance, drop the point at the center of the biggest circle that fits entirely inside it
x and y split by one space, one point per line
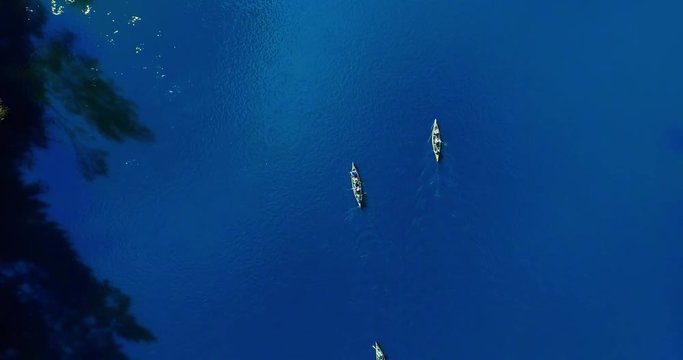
379 354
356 185
436 140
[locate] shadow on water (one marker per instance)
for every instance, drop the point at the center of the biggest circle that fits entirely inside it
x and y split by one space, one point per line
51 304
73 83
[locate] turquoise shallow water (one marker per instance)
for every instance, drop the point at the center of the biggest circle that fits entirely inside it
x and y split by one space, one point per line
551 229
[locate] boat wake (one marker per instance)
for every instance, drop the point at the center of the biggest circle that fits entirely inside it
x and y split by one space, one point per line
367 242
353 213
435 177
438 181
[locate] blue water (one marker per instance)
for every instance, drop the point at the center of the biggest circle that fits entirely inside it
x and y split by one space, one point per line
552 228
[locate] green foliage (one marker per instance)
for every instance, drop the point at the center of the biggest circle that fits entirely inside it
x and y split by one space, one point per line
3 111
57 6
80 3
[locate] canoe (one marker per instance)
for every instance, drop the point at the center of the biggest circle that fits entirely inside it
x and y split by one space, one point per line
356 185
436 145
379 354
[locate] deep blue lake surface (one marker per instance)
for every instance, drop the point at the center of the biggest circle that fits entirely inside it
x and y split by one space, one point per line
552 228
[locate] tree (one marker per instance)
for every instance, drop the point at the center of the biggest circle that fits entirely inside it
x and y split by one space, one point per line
3 111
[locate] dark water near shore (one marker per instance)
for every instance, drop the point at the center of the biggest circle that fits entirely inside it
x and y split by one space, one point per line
552 228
